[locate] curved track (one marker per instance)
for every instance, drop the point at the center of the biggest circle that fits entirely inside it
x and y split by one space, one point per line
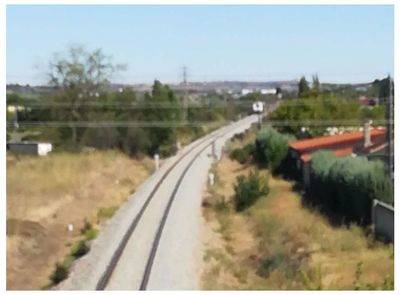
102 283
123 256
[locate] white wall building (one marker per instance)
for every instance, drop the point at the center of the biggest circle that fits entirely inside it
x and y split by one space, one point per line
246 91
268 91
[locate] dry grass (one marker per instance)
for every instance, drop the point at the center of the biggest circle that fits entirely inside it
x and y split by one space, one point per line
248 137
279 244
45 194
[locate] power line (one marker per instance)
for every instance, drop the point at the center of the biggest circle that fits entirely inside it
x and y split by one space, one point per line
207 104
185 93
162 124
389 117
113 124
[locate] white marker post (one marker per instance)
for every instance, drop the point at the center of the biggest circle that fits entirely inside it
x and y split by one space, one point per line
211 178
213 150
157 161
178 146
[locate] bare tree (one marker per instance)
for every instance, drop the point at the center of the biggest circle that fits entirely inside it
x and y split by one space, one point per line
79 76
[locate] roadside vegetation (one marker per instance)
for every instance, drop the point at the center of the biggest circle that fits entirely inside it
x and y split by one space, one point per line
346 187
320 107
278 244
77 96
46 195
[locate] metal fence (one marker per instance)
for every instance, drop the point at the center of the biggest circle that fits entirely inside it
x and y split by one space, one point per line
383 220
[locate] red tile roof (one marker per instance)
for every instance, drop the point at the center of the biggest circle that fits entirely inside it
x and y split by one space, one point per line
309 145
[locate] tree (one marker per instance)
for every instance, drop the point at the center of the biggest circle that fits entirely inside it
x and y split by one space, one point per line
323 108
381 88
14 98
315 86
304 89
162 138
384 87
79 76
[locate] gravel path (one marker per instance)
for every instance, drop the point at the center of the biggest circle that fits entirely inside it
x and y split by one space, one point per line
178 256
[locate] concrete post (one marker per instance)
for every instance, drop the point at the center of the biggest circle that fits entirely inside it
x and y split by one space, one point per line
367 134
211 178
178 146
157 161
213 150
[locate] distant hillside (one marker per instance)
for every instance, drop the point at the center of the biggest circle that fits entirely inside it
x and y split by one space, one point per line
289 86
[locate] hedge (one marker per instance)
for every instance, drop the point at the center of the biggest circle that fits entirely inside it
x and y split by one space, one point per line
346 186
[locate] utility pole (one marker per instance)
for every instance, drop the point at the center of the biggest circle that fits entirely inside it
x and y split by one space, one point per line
390 129
185 93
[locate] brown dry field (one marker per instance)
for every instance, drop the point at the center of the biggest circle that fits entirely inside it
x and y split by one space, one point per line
45 194
297 246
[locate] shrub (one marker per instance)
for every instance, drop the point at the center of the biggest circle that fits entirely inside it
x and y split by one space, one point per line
242 155
60 273
249 189
89 231
347 186
86 226
271 148
91 234
239 136
107 212
79 249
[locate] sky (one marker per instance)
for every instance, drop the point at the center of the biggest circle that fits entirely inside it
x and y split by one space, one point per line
343 44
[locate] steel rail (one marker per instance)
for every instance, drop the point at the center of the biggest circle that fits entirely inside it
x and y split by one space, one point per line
156 241
105 278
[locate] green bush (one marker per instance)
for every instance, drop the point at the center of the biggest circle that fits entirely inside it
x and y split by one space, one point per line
106 212
271 148
249 189
346 186
86 227
60 273
242 155
79 249
89 231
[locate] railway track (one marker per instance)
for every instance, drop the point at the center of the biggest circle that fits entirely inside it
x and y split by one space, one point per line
151 234
102 283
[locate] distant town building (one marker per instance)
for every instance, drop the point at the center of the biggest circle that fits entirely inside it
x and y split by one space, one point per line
269 91
246 91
